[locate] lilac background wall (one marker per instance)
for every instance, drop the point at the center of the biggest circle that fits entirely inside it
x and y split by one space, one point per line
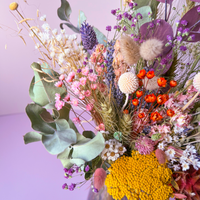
29 172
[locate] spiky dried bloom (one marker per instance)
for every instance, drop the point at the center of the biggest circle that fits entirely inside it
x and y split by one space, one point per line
129 49
150 84
128 83
151 48
196 82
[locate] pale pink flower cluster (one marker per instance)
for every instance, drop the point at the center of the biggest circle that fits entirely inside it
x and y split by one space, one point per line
60 103
144 145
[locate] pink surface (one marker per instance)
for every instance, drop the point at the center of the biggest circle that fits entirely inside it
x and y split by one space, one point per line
29 172
15 62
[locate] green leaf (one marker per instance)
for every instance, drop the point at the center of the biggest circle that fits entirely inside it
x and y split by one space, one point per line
46 116
88 175
64 11
71 26
66 161
81 18
41 91
62 138
90 149
100 36
88 134
33 111
64 112
32 137
141 3
154 8
144 12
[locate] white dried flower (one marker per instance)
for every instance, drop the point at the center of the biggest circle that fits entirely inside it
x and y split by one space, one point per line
43 18
151 48
196 82
128 83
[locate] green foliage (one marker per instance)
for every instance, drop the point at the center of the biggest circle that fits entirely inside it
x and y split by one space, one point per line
88 134
100 36
154 7
42 89
64 10
32 137
81 18
171 72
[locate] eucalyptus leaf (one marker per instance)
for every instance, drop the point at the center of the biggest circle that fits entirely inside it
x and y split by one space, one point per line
64 10
64 112
89 149
66 161
71 26
62 138
100 36
81 18
32 137
41 91
46 116
154 8
33 111
141 3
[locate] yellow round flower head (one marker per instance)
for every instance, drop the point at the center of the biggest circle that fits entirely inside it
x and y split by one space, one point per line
139 177
13 6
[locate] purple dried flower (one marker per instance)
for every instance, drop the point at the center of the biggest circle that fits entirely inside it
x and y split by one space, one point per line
84 63
119 17
149 14
118 27
86 58
88 36
64 186
65 170
133 25
108 28
71 171
179 39
77 169
113 11
158 22
139 16
72 186
135 20
91 70
191 38
102 66
151 25
130 17
87 168
95 190
67 176
131 5
177 23
180 30
186 32
184 22
198 9
126 15
124 29
169 38
78 70
183 48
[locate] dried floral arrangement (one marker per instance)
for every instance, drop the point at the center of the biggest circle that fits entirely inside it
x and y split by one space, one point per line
141 89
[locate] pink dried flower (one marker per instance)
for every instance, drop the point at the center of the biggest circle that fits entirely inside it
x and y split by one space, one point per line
85 71
74 102
59 84
81 96
57 97
83 81
70 77
89 107
87 93
62 77
67 98
101 127
59 104
144 145
92 77
93 86
76 120
75 85
99 178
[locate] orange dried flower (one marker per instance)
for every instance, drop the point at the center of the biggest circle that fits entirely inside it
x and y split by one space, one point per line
150 74
160 99
173 83
165 97
140 83
155 116
141 115
141 74
139 93
147 98
125 111
152 97
162 82
135 102
170 112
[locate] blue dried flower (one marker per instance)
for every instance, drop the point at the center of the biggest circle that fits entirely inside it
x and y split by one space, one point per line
88 36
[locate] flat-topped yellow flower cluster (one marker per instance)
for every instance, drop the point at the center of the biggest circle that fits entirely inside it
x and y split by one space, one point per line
139 177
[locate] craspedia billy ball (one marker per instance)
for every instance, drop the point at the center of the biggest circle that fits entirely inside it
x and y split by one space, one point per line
128 83
196 82
13 6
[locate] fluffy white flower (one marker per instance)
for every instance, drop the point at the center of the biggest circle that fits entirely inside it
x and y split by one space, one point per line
161 146
37 46
196 164
176 167
55 31
170 153
43 18
185 166
46 27
168 139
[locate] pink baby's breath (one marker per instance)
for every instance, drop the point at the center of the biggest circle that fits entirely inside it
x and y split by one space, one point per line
76 120
59 104
87 93
85 71
92 77
83 81
74 102
89 107
57 97
62 77
59 84
67 98
93 86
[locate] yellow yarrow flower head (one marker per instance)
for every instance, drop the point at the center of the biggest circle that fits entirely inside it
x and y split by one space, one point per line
139 177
